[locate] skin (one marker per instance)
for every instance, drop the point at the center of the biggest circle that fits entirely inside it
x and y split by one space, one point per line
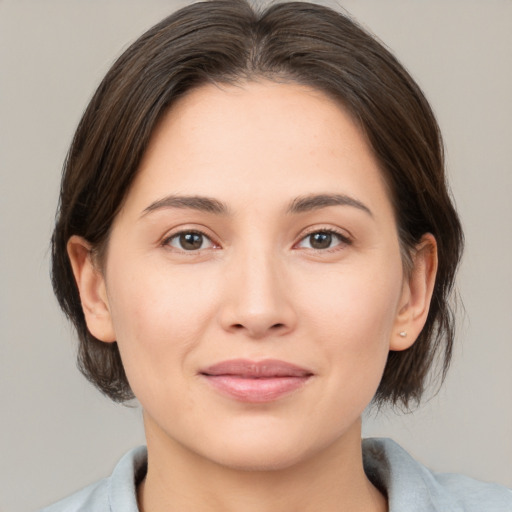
256 288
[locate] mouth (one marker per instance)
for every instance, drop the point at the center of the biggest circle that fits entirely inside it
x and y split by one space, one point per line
256 381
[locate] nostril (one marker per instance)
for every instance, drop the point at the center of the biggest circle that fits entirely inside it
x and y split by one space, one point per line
274 327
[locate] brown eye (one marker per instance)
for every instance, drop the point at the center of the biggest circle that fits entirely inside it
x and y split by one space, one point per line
190 241
321 240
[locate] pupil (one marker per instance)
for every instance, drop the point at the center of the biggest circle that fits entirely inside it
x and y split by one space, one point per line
321 240
191 241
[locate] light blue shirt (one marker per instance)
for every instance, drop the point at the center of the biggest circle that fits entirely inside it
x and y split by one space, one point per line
410 486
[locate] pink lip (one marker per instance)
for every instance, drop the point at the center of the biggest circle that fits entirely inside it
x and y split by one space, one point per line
256 381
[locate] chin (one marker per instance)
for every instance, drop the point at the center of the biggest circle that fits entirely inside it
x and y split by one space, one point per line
260 459
265 449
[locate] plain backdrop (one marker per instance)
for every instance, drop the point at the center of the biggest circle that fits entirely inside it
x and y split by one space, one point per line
57 432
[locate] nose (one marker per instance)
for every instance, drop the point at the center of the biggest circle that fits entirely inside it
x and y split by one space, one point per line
257 301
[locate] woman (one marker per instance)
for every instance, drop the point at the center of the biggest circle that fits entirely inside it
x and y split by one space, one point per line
255 239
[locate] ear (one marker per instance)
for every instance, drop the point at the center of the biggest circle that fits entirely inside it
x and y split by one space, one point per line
92 289
416 294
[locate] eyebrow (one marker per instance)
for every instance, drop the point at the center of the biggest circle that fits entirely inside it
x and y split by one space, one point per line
317 201
300 204
200 203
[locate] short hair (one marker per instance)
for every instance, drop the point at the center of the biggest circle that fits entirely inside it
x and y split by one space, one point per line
229 41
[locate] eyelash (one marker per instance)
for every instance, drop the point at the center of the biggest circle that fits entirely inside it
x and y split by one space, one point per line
167 241
344 240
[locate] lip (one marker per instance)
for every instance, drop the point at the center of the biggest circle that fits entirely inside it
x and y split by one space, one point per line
256 381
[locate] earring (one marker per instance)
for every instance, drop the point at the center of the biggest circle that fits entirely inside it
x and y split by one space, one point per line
402 334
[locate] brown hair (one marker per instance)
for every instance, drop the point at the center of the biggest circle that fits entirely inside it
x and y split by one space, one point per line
229 41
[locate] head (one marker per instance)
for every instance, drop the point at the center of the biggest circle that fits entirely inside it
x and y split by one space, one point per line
225 45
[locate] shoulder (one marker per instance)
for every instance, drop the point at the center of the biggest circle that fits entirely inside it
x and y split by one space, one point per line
411 486
117 493
93 497
474 494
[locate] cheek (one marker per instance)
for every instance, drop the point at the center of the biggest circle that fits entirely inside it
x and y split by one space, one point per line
157 303
158 320
358 304
352 318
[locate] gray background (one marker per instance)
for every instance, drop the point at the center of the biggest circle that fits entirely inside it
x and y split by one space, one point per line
58 433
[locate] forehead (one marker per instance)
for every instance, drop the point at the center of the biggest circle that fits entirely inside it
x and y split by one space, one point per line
263 140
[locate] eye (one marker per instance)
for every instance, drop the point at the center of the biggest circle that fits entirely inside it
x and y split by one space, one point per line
323 239
189 241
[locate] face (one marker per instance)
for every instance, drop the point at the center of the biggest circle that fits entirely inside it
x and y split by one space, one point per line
253 278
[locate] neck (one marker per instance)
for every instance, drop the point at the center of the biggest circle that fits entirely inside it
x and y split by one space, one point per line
332 480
